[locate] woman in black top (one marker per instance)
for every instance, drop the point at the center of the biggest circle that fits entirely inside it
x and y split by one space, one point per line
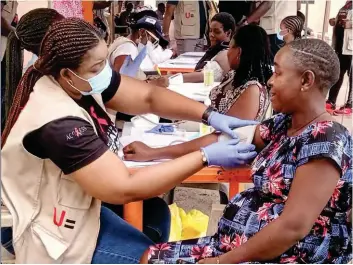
341 23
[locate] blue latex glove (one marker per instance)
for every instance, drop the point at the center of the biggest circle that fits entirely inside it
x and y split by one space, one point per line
226 124
131 67
162 129
229 154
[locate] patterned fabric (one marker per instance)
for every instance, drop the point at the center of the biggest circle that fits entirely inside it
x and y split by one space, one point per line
273 171
69 8
225 95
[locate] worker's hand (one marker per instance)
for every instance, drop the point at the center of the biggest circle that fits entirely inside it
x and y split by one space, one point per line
131 67
332 21
229 154
226 123
138 151
162 81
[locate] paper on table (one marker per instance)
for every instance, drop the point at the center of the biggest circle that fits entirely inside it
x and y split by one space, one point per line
193 54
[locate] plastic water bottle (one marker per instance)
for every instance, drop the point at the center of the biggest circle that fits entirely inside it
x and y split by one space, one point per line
205 129
208 75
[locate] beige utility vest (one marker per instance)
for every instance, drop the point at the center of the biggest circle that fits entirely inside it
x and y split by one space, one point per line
54 220
280 9
187 20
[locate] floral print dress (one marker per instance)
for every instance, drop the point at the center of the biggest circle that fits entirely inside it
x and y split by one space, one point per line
273 171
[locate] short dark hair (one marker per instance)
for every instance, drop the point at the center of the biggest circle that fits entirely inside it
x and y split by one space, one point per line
317 56
226 20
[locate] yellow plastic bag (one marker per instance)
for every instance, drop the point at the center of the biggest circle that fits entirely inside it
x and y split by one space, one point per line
187 225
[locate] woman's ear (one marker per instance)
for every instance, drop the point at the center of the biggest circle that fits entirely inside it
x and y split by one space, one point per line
64 74
308 80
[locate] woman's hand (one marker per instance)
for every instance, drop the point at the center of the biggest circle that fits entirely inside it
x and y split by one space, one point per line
226 124
332 21
162 81
138 151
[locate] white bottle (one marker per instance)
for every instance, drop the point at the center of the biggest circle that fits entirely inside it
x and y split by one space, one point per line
208 75
205 129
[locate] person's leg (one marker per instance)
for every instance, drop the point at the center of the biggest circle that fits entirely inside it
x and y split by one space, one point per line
346 109
349 100
156 220
335 89
118 242
6 239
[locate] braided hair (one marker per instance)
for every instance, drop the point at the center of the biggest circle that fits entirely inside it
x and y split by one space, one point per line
295 24
63 46
29 34
255 59
319 57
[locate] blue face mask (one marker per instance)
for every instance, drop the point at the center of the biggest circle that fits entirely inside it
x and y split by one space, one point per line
280 37
98 83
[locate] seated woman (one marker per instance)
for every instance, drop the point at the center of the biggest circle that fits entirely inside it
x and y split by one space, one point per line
242 93
222 28
291 29
66 152
297 211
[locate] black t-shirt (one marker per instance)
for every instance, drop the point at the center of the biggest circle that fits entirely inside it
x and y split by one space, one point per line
237 9
71 142
338 30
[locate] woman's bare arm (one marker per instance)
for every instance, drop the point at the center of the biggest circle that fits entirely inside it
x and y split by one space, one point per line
305 202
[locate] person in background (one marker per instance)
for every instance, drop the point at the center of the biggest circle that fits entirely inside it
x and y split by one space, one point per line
28 35
242 93
125 16
99 9
146 32
160 11
240 10
309 31
68 153
298 210
270 14
8 14
291 28
342 44
221 31
190 22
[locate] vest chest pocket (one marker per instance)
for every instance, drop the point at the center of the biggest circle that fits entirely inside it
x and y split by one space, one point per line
189 16
268 22
71 195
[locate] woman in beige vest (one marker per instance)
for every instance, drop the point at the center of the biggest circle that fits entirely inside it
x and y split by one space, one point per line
59 155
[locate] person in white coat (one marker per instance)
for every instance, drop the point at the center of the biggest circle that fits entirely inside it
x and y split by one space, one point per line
146 32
